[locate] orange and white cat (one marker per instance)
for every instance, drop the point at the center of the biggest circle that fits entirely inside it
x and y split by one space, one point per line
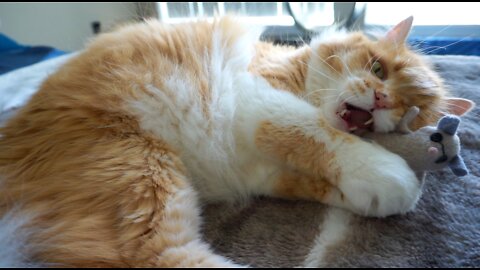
107 163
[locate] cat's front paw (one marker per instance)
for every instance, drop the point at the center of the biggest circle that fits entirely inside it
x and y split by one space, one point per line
376 182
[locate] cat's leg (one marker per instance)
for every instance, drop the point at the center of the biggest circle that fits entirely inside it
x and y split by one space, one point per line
362 177
160 218
293 184
123 202
371 180
167 237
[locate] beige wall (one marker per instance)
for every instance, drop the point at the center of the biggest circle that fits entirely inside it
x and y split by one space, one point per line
66 26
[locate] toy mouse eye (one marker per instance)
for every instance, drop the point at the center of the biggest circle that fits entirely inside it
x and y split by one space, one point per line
436 137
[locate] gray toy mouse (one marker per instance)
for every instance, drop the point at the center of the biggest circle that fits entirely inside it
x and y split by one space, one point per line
428 148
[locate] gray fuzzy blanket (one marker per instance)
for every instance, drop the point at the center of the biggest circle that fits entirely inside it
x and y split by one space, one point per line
443 231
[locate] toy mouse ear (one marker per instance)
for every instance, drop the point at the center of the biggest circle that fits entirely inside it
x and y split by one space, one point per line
399 33
449 124
459 106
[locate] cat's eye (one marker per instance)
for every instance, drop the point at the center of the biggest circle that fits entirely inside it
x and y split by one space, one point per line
378 70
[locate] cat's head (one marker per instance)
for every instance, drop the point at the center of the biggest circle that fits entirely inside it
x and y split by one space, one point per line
364 83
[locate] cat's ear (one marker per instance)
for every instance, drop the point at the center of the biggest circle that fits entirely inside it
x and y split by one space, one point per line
399 33
459 106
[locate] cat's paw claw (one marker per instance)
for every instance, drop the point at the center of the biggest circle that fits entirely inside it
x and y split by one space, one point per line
382 185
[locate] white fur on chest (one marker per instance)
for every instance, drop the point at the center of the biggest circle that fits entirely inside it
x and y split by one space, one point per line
221 164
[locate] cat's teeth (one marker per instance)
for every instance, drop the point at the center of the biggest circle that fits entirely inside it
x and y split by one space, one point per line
368 122
343 112
352 128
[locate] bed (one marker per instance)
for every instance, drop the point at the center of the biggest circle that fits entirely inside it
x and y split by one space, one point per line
443 231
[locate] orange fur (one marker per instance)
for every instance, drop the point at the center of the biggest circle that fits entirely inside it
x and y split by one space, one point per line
296 149
295 185
286 73
423 89
107 193
76 158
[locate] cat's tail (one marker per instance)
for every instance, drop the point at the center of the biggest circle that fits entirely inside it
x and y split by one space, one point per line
13 245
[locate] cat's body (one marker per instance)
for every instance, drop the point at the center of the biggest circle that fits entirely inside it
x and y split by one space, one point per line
109 157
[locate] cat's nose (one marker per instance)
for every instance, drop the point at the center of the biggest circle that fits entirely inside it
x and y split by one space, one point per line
382 100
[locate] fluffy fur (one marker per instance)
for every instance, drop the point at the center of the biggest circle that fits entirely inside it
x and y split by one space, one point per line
110 156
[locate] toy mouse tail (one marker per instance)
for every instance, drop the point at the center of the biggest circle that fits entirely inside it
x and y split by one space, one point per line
407 119
458 166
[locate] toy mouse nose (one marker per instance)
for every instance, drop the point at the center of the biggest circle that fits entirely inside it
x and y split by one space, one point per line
433 151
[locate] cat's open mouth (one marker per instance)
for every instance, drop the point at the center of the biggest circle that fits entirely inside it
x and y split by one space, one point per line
356 118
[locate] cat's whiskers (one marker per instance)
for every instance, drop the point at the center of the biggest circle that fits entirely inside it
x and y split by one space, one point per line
371 67
444 47
307 95
332 96
424 41
318 71
436 48
424 50
327 100
347 99
368 62
324 61
328 97
303 40
337 100
343 62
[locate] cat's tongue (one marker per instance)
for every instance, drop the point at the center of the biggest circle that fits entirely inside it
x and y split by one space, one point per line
357 118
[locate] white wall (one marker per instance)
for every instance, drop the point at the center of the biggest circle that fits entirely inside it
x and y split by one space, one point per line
66 26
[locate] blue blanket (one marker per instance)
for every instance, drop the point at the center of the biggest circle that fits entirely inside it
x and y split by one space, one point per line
14 55
447 45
